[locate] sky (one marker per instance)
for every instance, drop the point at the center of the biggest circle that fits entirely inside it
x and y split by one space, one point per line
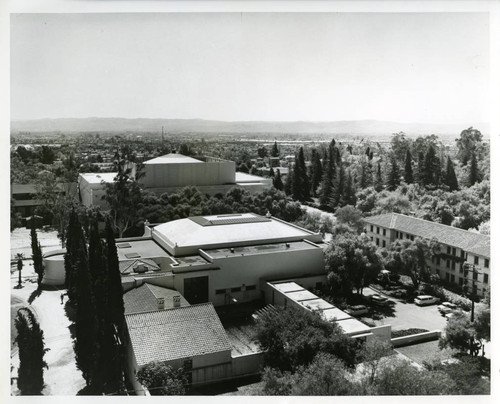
403 67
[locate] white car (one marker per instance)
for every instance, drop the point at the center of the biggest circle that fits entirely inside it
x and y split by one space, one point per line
379 300
425 300
357 310
447 307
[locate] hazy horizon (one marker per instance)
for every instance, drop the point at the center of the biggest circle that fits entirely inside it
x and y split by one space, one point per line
265 67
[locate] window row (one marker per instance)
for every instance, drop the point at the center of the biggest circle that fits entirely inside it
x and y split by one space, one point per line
235 289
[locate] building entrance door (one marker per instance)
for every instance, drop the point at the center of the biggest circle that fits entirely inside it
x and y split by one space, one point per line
196 289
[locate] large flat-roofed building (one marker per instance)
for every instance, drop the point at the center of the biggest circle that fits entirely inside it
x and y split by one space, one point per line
172 172
459 248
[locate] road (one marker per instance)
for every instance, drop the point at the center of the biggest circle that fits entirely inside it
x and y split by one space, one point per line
409 315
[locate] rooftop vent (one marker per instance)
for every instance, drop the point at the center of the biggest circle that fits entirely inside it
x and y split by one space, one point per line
140 268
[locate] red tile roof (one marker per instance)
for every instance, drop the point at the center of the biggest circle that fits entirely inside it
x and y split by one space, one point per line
177 333
143 298
474 243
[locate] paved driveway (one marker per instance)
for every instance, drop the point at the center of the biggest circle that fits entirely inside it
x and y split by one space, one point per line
409 315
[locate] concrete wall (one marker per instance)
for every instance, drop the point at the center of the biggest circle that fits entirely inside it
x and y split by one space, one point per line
382 332
416 338
246 365
184 174
54 273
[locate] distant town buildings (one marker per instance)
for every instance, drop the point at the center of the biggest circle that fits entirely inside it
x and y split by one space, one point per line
461 250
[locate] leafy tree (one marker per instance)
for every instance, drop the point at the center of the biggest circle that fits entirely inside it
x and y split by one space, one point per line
31 352
325 376
408 257
467 336
349 197
262 152
451 178
432 168
469 143
400 145
400 377
408 168
161 379
47 155
371 357
351 216
292 338
352 261
36 251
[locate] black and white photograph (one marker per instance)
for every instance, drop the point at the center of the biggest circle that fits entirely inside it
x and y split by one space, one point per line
249 198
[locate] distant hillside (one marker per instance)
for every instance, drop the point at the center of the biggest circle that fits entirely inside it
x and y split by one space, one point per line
199 125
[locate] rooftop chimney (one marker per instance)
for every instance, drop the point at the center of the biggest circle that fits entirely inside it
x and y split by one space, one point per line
160 302
177 301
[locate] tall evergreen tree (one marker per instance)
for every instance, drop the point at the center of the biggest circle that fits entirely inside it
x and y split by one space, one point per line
36 251
300 180
451 177
31 352
349 191
432 168
275 151
317 172
393 177
378 184
288 182
71 256
421 168
408 168
277 182
329 174
474 175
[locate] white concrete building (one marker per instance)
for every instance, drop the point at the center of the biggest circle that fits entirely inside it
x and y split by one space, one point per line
172 172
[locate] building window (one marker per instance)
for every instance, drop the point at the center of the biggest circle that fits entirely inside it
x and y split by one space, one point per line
438 261
476 260
453 265
377 242
412 238
383 232
447 276
220 291
486 263
448 250
462 254
383 243
447 263
371 238
397 234
474 276
251 287
378 230
461 281
452 278
371 228
454 251
485 280
407 236
238 289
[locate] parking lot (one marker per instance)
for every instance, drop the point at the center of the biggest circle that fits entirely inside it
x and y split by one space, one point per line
401 315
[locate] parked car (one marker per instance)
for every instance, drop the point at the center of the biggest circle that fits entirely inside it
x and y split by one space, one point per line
425 300
447 307
379 300
357 310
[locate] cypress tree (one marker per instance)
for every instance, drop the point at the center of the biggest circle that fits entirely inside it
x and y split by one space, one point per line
408 168
70 256
277 182
338 189
421 168
288 182
31 352
317 172
349 192
378 179
274 151
328 179
432 168
474 175
271 172
451 177
393 177
37 256
300 180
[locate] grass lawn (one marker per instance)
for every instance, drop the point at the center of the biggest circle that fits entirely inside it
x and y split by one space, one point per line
426 352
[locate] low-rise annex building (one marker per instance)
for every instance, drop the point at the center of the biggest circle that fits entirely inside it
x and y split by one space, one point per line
459 248
172 172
